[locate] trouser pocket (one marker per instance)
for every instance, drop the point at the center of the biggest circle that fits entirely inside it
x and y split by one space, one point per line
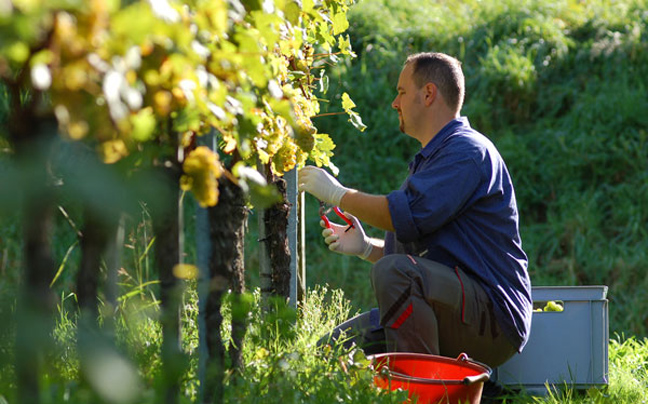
398 278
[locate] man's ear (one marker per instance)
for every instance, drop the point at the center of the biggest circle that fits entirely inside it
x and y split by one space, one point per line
431 93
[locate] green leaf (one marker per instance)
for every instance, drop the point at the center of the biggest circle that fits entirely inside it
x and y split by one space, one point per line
308 5
347 102
251 49
17 52
344 43
285 109
340 23
143 125
323 142
267 25
324 36
356 121
134 22
323 151
252 5
240 305
264 196
324 82
292 12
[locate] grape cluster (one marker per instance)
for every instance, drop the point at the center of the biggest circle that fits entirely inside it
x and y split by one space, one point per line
304 135
286 158
201 172
550 306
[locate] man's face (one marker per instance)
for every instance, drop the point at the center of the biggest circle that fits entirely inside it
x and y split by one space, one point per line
408 102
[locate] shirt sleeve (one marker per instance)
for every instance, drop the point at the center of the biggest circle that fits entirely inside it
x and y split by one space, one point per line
434 194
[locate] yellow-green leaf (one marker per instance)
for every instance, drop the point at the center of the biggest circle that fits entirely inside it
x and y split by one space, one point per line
340 23
143 124
347 103
308 5
344 43
17 52
292 12
356 121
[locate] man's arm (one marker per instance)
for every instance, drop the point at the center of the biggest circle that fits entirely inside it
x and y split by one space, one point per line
370 209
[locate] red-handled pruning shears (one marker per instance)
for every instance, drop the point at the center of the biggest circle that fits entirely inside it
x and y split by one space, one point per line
323 211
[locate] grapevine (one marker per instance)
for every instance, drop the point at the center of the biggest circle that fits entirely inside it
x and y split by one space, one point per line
139 81
123 77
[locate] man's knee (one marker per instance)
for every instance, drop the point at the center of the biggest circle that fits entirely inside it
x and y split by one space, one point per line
385 269
391 274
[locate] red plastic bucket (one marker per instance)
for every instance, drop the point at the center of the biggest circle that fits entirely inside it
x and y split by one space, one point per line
431 379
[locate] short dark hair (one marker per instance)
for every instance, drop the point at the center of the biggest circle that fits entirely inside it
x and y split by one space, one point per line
442 70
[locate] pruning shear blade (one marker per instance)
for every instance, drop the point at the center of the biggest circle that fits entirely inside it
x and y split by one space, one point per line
323 211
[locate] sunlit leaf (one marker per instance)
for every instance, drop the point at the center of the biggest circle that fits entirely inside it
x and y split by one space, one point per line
344 43
347 102
324 82
262 197
356 121
17 52
340 23
6 8
308 5
133 23
292 12
143 124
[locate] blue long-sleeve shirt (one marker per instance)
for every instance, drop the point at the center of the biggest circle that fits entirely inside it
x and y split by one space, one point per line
457 207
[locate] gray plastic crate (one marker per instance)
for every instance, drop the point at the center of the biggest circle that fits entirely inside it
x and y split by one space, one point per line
565 348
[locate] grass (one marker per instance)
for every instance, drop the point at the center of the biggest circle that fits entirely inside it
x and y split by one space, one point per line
282 362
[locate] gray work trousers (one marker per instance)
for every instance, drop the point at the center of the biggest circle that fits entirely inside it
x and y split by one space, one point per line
427 307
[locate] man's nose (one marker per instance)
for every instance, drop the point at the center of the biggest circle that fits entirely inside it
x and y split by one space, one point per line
394 103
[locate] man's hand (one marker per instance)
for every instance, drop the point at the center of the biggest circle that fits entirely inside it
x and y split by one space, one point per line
321 185
347 240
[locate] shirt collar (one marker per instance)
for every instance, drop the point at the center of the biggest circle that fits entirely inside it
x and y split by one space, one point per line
436 141
446 131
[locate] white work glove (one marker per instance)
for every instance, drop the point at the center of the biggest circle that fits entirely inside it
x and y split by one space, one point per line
321 185
351 242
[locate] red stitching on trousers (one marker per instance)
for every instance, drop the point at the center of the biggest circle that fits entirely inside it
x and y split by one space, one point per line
400 320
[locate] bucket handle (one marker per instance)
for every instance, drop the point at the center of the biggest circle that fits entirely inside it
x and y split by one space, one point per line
483 377
385 371
468 380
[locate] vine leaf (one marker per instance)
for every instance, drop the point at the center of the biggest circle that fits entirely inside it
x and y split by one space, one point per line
354 117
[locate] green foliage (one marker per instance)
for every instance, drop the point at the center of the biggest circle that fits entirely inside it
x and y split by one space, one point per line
139 81
560 88
283 364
